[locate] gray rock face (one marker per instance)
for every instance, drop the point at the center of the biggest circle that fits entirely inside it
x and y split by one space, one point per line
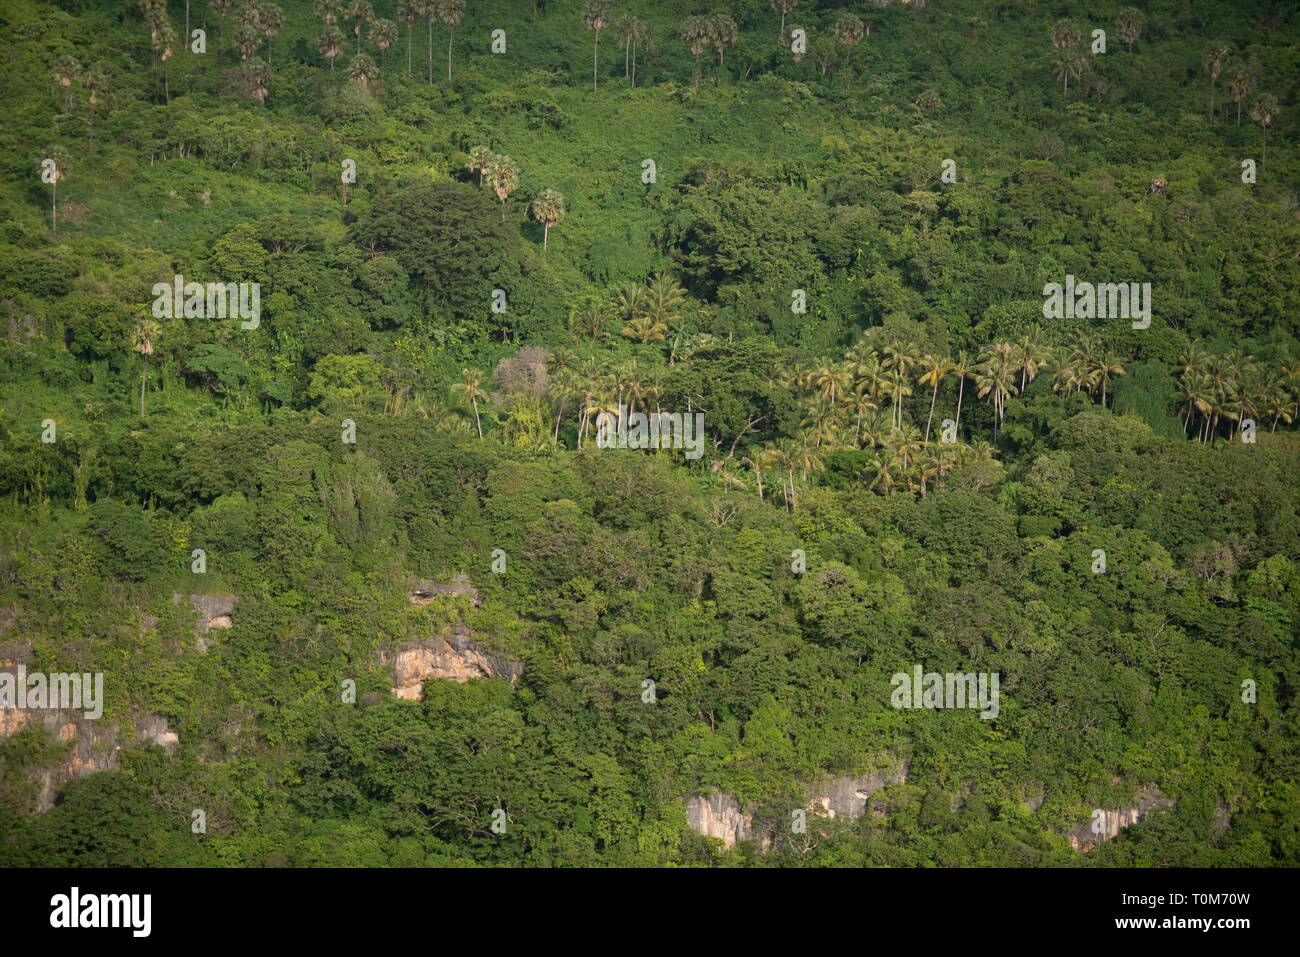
848 796
213 611
718 815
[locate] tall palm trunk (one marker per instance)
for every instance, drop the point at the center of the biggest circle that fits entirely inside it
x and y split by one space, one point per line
408 50
143 379
449 42
934 396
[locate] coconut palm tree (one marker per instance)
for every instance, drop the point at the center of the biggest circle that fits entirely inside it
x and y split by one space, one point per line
548 209
1213 61
662 298
357 13
383 34
1129 24
330 44
1264 112
899 360
1109 367
884 470
272 19
453 11
66 71
142 338
963 367
630 302
595 14
995 377
590 321
469 393
1070 62
933 371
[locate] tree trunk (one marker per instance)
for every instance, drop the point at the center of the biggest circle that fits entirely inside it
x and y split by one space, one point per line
477 423
546 235
960 388
221 50
1213 79
595 59
431 52
450 38
934 396
54 206
143 379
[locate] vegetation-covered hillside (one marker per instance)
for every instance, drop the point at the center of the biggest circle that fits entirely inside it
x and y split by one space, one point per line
451 242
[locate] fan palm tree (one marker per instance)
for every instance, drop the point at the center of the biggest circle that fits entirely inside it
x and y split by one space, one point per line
167 41
362 69
257 79
1129 24
548 209
1264 112
408 10
357 13
1241 82
272 20
1213 60
783 7
502 174
247 39
383 34
626 28
330 44
695 33
142 337
595 14
849 32
221 8
453 11
430 9
722 33
469 393
66 71
1065 34
327 10
477 159
95 80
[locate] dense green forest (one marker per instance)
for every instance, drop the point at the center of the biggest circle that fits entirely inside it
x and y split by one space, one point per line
478 230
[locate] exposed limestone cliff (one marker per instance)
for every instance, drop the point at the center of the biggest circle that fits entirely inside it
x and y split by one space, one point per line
212 611
94 745
1148 799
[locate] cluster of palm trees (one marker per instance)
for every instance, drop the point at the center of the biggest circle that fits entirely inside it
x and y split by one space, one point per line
1232 388
500 172
699 32
94 79
648 312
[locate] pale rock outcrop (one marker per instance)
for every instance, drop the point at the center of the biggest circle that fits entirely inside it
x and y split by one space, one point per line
1148 799
94 744
212 611
426 589
452 655
720 815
